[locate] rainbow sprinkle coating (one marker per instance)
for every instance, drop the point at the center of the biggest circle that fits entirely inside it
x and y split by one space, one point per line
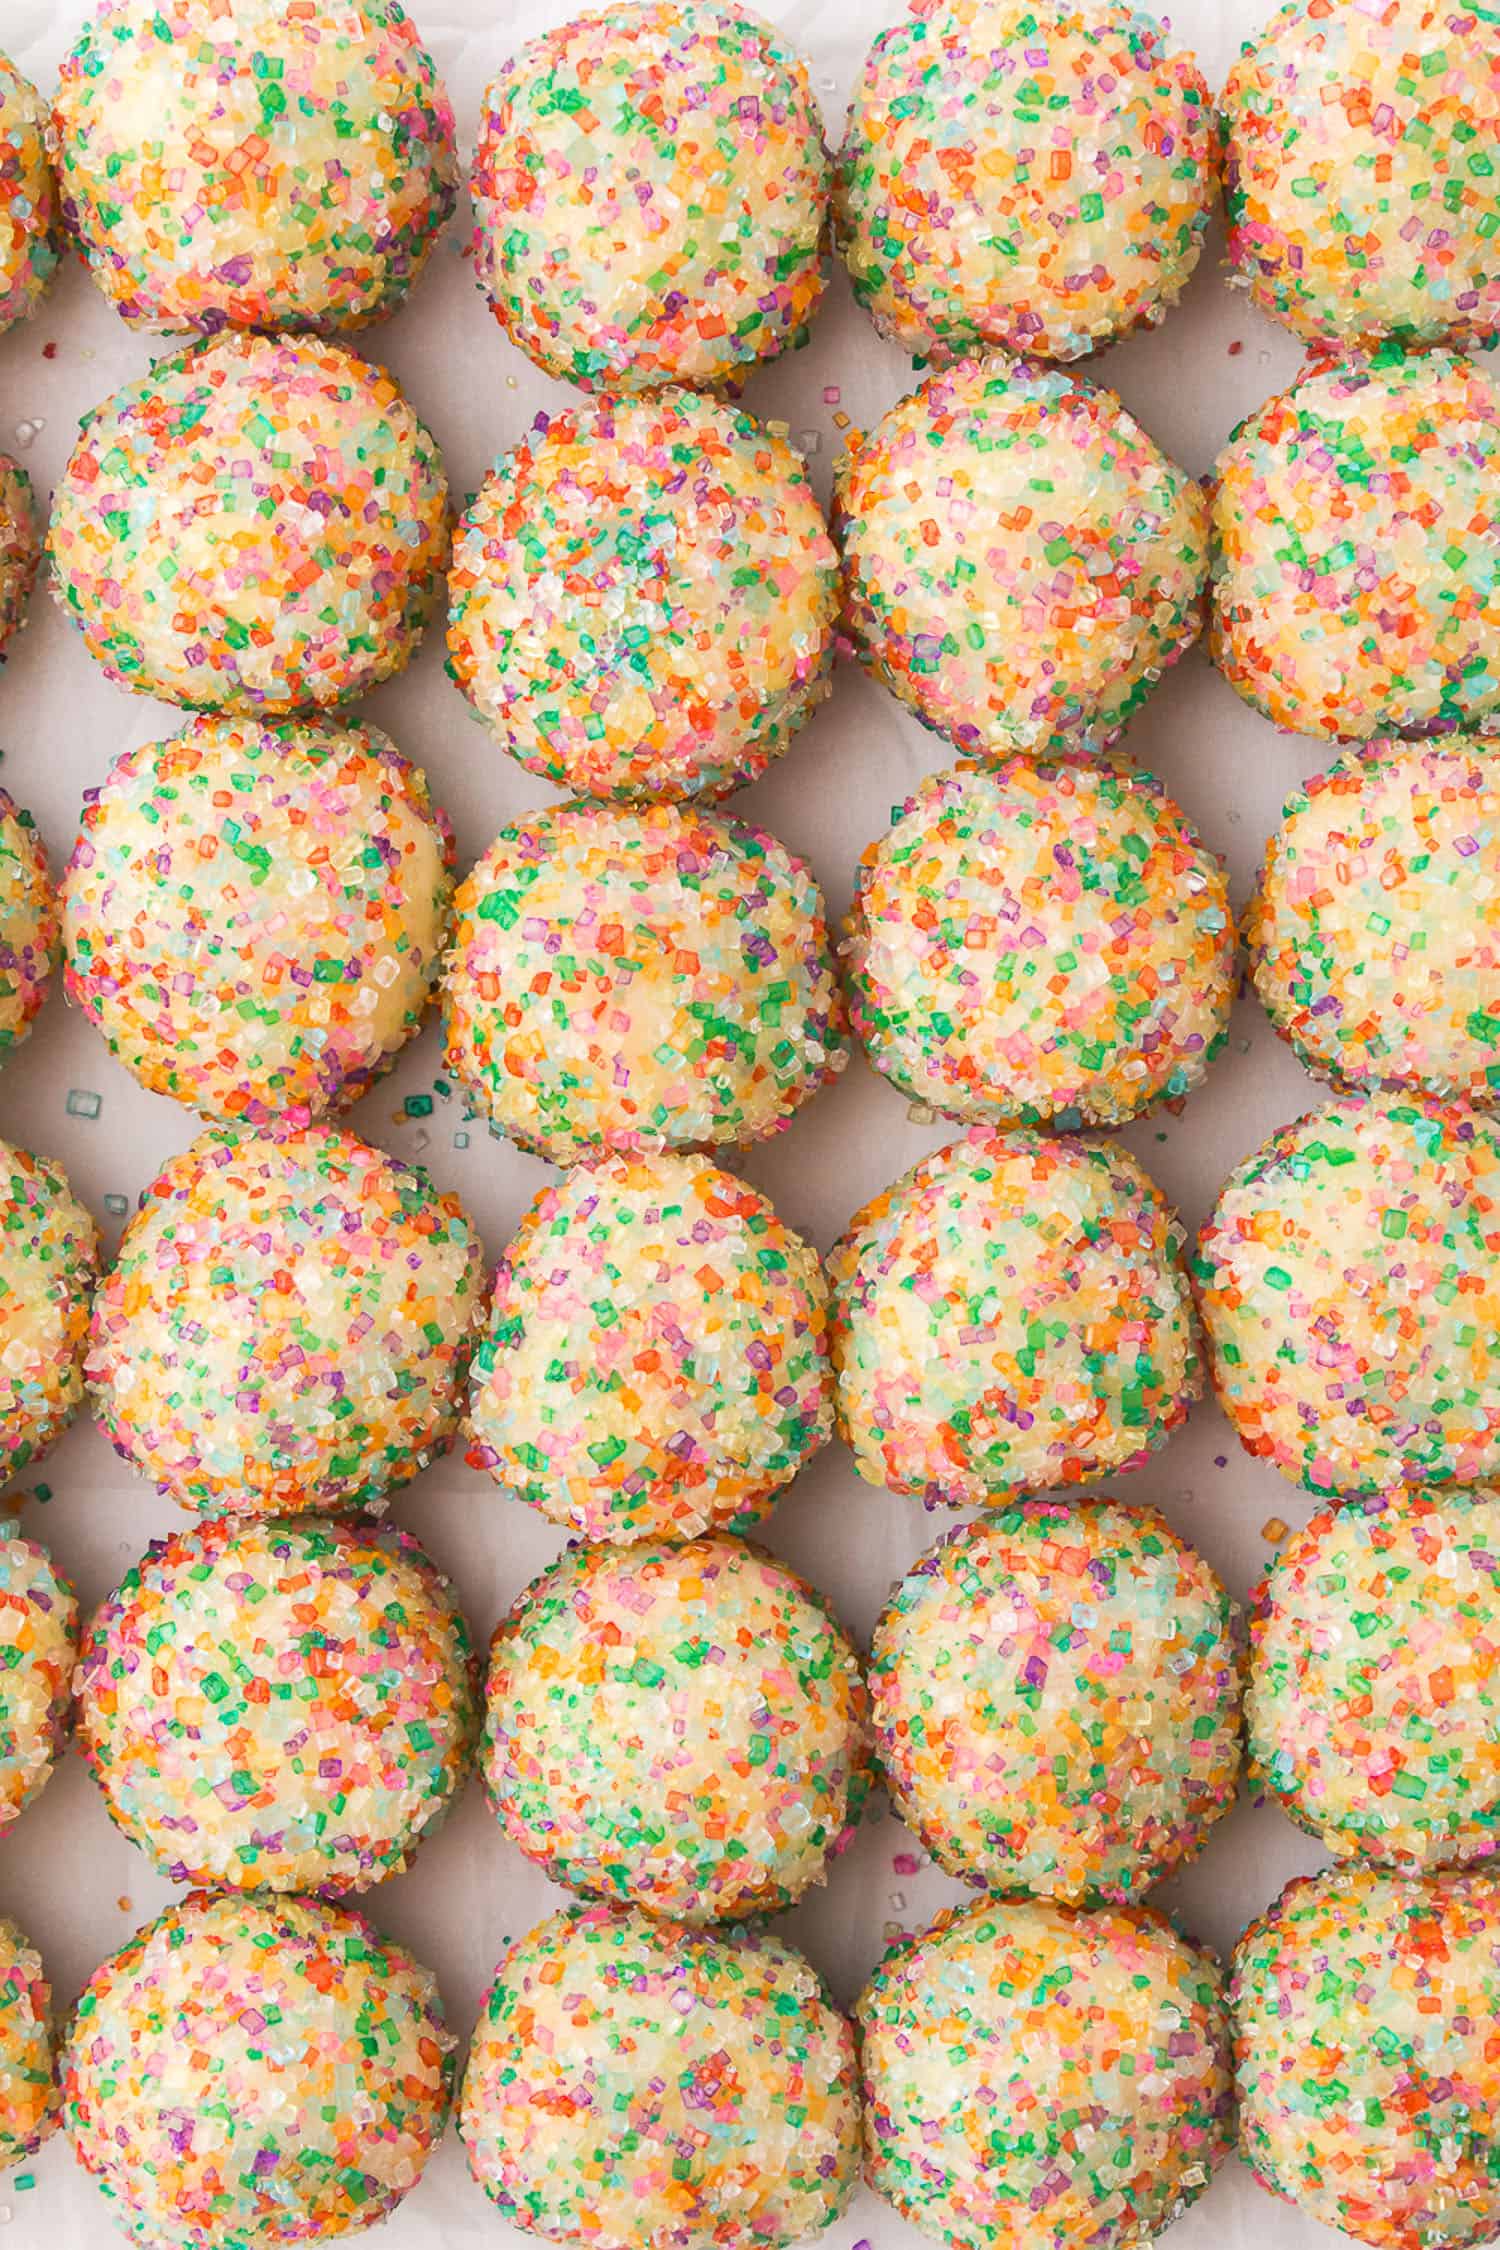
1349 1281
1366 2060
1372 1699
28 924
1356 559
1035 176
1055 1694
650 186
255 914
1011 1316
49 1249
20 546
1041 943
642 598
28 199
1020 561
38 1643
28 2091
258 524
1374 937
656 1362
1038 2078
640 980
1362 195
681 1728
256 2071
258 165
642 2086
279 1706
288 1324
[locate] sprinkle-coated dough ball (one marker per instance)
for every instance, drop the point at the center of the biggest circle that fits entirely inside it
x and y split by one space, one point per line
682 1728
20 546
1011 1316
256 525
49 1248
1021 562
279 1706
253 164
650 186
1349 1280
1357 549
28 924
642 598
255 914
28 2091
1374 937
1037 2078
1037 177
640 980
288 1324
1363 197
256 2072
642 2086
28 198
38 1644
1374 1697
656 1362
1040 943
1366 2059
1056 1697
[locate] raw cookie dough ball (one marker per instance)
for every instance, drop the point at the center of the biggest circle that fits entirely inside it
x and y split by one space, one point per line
257 525
1367 2066
255 914
28 2092
678 1727
640 980
1374 1696
1056 1700
960 233
649 193
636 2085
279 1706
1039 2077
256 2071
28 198
1021 562
656 1362
642 598
1041 943
1349 1280
49 1249
20 546
1355 587
252 164
1011 1316
1374 938
288 1324
1362 198
38 1645
28 924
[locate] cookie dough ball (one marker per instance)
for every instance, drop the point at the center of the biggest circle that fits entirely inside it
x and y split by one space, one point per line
1011 1316
28 198
1056 1699
1349 1280
656 1363
638 2084
20 546
1361 196
649 190
1102 2038
1020 561
28 924
49 1249
640 980
1354 586
678 1727
255 914
1040 943
279 1706
1374 938
28 2092
256 2071
38 1643
253 166
642 598
288 1324
1367 2066
257 525
961 233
